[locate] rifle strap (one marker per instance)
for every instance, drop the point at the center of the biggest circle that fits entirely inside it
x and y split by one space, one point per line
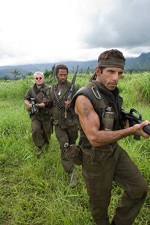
44 92
36 91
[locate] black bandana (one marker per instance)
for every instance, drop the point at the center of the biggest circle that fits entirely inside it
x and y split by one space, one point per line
112 63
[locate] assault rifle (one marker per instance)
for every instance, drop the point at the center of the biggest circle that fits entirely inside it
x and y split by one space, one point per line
134 117
72 83
71 89
93 77
34 108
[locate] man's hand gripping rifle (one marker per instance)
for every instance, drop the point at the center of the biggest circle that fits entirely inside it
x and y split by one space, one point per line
67 103
134 117
34 108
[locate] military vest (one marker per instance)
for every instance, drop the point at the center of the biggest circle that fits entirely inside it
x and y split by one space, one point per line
39 95
62 117
101 98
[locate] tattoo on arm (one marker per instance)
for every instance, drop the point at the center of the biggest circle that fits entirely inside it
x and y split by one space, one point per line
86 111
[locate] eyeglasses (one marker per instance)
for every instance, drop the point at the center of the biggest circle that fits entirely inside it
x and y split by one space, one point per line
38 78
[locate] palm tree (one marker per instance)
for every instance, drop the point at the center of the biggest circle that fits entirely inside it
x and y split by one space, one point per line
15 73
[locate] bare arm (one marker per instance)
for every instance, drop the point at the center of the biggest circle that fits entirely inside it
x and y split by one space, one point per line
27 103
90 124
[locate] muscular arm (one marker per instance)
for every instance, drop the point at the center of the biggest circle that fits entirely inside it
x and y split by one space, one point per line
90 124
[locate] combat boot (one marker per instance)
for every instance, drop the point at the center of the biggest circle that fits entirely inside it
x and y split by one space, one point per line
73 180
40 152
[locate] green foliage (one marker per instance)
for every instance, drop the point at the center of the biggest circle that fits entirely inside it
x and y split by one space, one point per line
11 90
135 88
81 79
35 191
47 73
16 73
143 84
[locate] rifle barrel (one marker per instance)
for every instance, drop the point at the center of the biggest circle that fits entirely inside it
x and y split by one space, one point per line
73 82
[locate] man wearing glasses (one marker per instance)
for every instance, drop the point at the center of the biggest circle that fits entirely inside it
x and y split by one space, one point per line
37 101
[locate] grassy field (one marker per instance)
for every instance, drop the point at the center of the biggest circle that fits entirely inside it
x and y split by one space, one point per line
35 191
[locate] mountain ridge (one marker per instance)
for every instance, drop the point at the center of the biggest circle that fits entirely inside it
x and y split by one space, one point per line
140 63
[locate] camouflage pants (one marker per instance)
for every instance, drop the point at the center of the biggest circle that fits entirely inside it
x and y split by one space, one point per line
99 173
68 135
41 131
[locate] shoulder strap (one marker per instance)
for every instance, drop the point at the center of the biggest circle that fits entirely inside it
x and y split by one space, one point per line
97 96
40 90
44 91
92 92
53 91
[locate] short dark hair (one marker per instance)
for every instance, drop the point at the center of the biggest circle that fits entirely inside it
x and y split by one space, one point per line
111 53
61 66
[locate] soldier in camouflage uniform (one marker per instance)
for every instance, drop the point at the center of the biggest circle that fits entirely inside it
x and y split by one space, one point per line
66 129
39 94
98 105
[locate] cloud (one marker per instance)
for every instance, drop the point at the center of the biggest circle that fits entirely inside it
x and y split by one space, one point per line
36 31
124 25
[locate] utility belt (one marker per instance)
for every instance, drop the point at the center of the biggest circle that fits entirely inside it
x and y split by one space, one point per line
98 156
106 148
93 155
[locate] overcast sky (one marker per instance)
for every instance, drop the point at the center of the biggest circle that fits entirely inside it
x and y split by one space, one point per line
39 31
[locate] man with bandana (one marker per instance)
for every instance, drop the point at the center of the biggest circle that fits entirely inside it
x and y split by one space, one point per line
39 94
98 106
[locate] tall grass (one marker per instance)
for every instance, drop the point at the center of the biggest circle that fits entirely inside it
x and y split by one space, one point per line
35 191
14 89
135 89
143 84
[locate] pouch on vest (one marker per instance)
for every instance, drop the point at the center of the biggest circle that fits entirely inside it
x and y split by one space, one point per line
108 118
